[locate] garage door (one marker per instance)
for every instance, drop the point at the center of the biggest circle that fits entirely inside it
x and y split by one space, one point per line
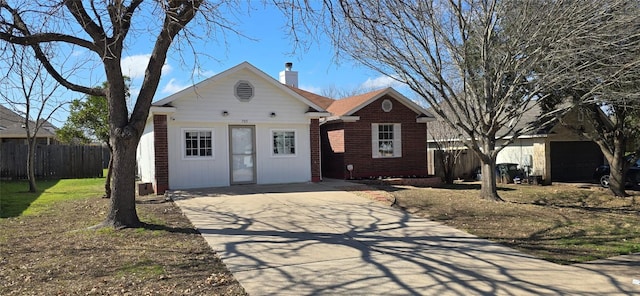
574 161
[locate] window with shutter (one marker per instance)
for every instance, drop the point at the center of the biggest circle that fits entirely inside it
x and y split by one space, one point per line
386 140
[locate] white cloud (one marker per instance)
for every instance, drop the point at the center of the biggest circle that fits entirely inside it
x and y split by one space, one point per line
134 66
199 73
166 69
78 52
380 82
173 87
310 88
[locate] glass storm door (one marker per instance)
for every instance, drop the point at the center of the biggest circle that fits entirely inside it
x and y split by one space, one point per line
243 154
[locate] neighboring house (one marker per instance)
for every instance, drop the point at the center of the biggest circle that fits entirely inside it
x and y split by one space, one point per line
376 134
13 129
238 127
555 153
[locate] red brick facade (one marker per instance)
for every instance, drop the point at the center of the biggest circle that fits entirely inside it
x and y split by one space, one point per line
314 134
161 150
357 144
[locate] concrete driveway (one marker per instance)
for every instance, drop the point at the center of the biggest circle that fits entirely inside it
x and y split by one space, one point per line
314 239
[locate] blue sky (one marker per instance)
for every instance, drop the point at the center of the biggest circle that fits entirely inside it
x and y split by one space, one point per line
269 51
266 45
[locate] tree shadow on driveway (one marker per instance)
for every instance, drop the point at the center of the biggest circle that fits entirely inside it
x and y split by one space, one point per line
332 242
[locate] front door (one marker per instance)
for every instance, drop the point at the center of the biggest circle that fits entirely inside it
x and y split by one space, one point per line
243 154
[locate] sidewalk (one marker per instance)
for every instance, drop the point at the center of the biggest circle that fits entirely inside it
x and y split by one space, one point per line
313 239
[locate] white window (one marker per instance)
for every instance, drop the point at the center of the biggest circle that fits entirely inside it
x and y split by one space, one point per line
386 140
284 142
198 143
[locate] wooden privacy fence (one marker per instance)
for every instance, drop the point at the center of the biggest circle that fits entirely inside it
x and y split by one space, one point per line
52 161
464 168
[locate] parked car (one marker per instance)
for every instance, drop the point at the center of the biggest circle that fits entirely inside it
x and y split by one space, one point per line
632 178
509 171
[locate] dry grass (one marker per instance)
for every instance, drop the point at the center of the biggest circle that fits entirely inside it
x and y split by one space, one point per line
53 253
560 223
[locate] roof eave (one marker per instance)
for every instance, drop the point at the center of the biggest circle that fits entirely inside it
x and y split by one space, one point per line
230 71
315 114
158 110
425 119
342 118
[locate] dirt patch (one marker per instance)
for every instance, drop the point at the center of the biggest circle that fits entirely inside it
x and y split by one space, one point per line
371 192
53 253
562 224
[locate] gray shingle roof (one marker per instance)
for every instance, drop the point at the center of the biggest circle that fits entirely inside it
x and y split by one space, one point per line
12 125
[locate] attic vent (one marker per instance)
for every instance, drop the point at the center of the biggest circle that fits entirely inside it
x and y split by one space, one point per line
387 105
244 91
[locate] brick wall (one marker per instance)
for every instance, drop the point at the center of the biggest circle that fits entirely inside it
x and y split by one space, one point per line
161 150
314 133
357 139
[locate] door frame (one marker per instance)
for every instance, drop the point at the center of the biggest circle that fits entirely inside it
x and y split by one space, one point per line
253 154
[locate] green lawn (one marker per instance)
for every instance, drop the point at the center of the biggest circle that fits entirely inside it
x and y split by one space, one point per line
48 248
15 200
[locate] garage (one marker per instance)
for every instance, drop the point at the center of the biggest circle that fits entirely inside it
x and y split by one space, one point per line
574 161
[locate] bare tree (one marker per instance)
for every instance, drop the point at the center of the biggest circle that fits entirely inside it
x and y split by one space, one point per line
31 92
473 57
614 130
102 28
601 70
447 141
337 93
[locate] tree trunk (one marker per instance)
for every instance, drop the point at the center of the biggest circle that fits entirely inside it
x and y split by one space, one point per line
107 183
122 209
489 189
448 166
617 174
613 149
31 172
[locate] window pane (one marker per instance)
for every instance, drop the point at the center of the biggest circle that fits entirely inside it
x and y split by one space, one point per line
283 142
386 148
385 132
198 143
385 140
242 140
277 143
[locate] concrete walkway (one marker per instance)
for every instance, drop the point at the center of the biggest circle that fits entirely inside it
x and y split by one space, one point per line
314 239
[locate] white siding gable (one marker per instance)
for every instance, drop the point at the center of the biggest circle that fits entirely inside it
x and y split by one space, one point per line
207 103
201 108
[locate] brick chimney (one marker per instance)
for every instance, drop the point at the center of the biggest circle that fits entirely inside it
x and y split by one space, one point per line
289 77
